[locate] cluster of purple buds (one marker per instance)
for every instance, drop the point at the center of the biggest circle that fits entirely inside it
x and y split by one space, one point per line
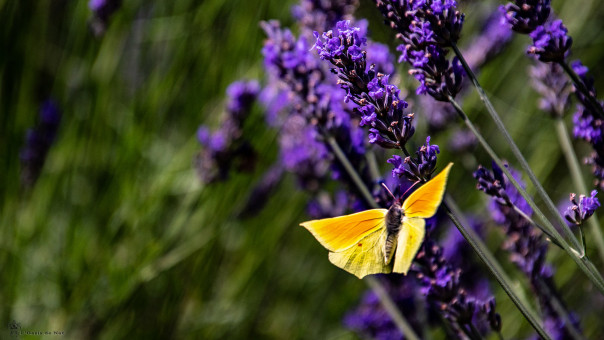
226 145
441 283
427 28
372 321
524 243
420 168
378 101
38 142
577 213
524 16
551 41
493 183
589 125
320 15
102 11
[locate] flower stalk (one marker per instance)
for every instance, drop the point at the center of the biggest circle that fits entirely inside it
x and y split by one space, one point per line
582 261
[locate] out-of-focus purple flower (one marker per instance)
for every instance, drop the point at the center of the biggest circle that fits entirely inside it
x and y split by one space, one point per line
325 205
525 244
226 148
551 42
319 15
38 141
493 183
371 320
102 11
493 38
380 56
577 213
554 87
588 125
243 94
262 191
462 141
441 283
524 16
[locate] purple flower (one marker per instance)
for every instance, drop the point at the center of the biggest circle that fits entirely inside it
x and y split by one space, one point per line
552 84
38 141
320 16
345 41
493 38
226 147
525 245
102 11
524 16
550 42
577 213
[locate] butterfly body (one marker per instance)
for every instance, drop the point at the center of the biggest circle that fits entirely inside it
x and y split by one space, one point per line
394 222
381 240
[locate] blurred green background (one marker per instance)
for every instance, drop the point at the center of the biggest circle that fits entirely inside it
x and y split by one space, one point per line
119 238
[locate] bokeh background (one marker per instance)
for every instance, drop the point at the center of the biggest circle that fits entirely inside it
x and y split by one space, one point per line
119 238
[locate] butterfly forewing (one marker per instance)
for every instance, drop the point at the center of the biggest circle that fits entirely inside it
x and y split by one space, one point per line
342 232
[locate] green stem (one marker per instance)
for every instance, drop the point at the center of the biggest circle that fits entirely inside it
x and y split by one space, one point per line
452 205
579 182
351 171
516 151
559 308
549 237
528 314
582 262
391 308
593 102
373 283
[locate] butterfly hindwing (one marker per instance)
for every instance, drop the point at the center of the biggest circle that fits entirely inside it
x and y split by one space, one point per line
410 239
364 258
423 202
339 233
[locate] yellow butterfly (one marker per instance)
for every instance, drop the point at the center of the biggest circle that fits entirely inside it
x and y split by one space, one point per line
366 242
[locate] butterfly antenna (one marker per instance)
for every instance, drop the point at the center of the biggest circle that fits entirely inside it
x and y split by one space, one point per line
390 192
406 191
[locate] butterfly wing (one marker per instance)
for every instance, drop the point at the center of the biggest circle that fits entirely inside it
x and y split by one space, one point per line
423 202
342 232
365 257
410 239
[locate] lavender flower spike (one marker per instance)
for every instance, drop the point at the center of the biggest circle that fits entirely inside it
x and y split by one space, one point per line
577 213
524 16
550 42
38 142
377 101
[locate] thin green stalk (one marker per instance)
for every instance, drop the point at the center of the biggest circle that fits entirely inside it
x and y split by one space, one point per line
516 151
528 314
373 283
351 171
595 106
542 228
582 262
391 308
560 309
579 182
452 205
